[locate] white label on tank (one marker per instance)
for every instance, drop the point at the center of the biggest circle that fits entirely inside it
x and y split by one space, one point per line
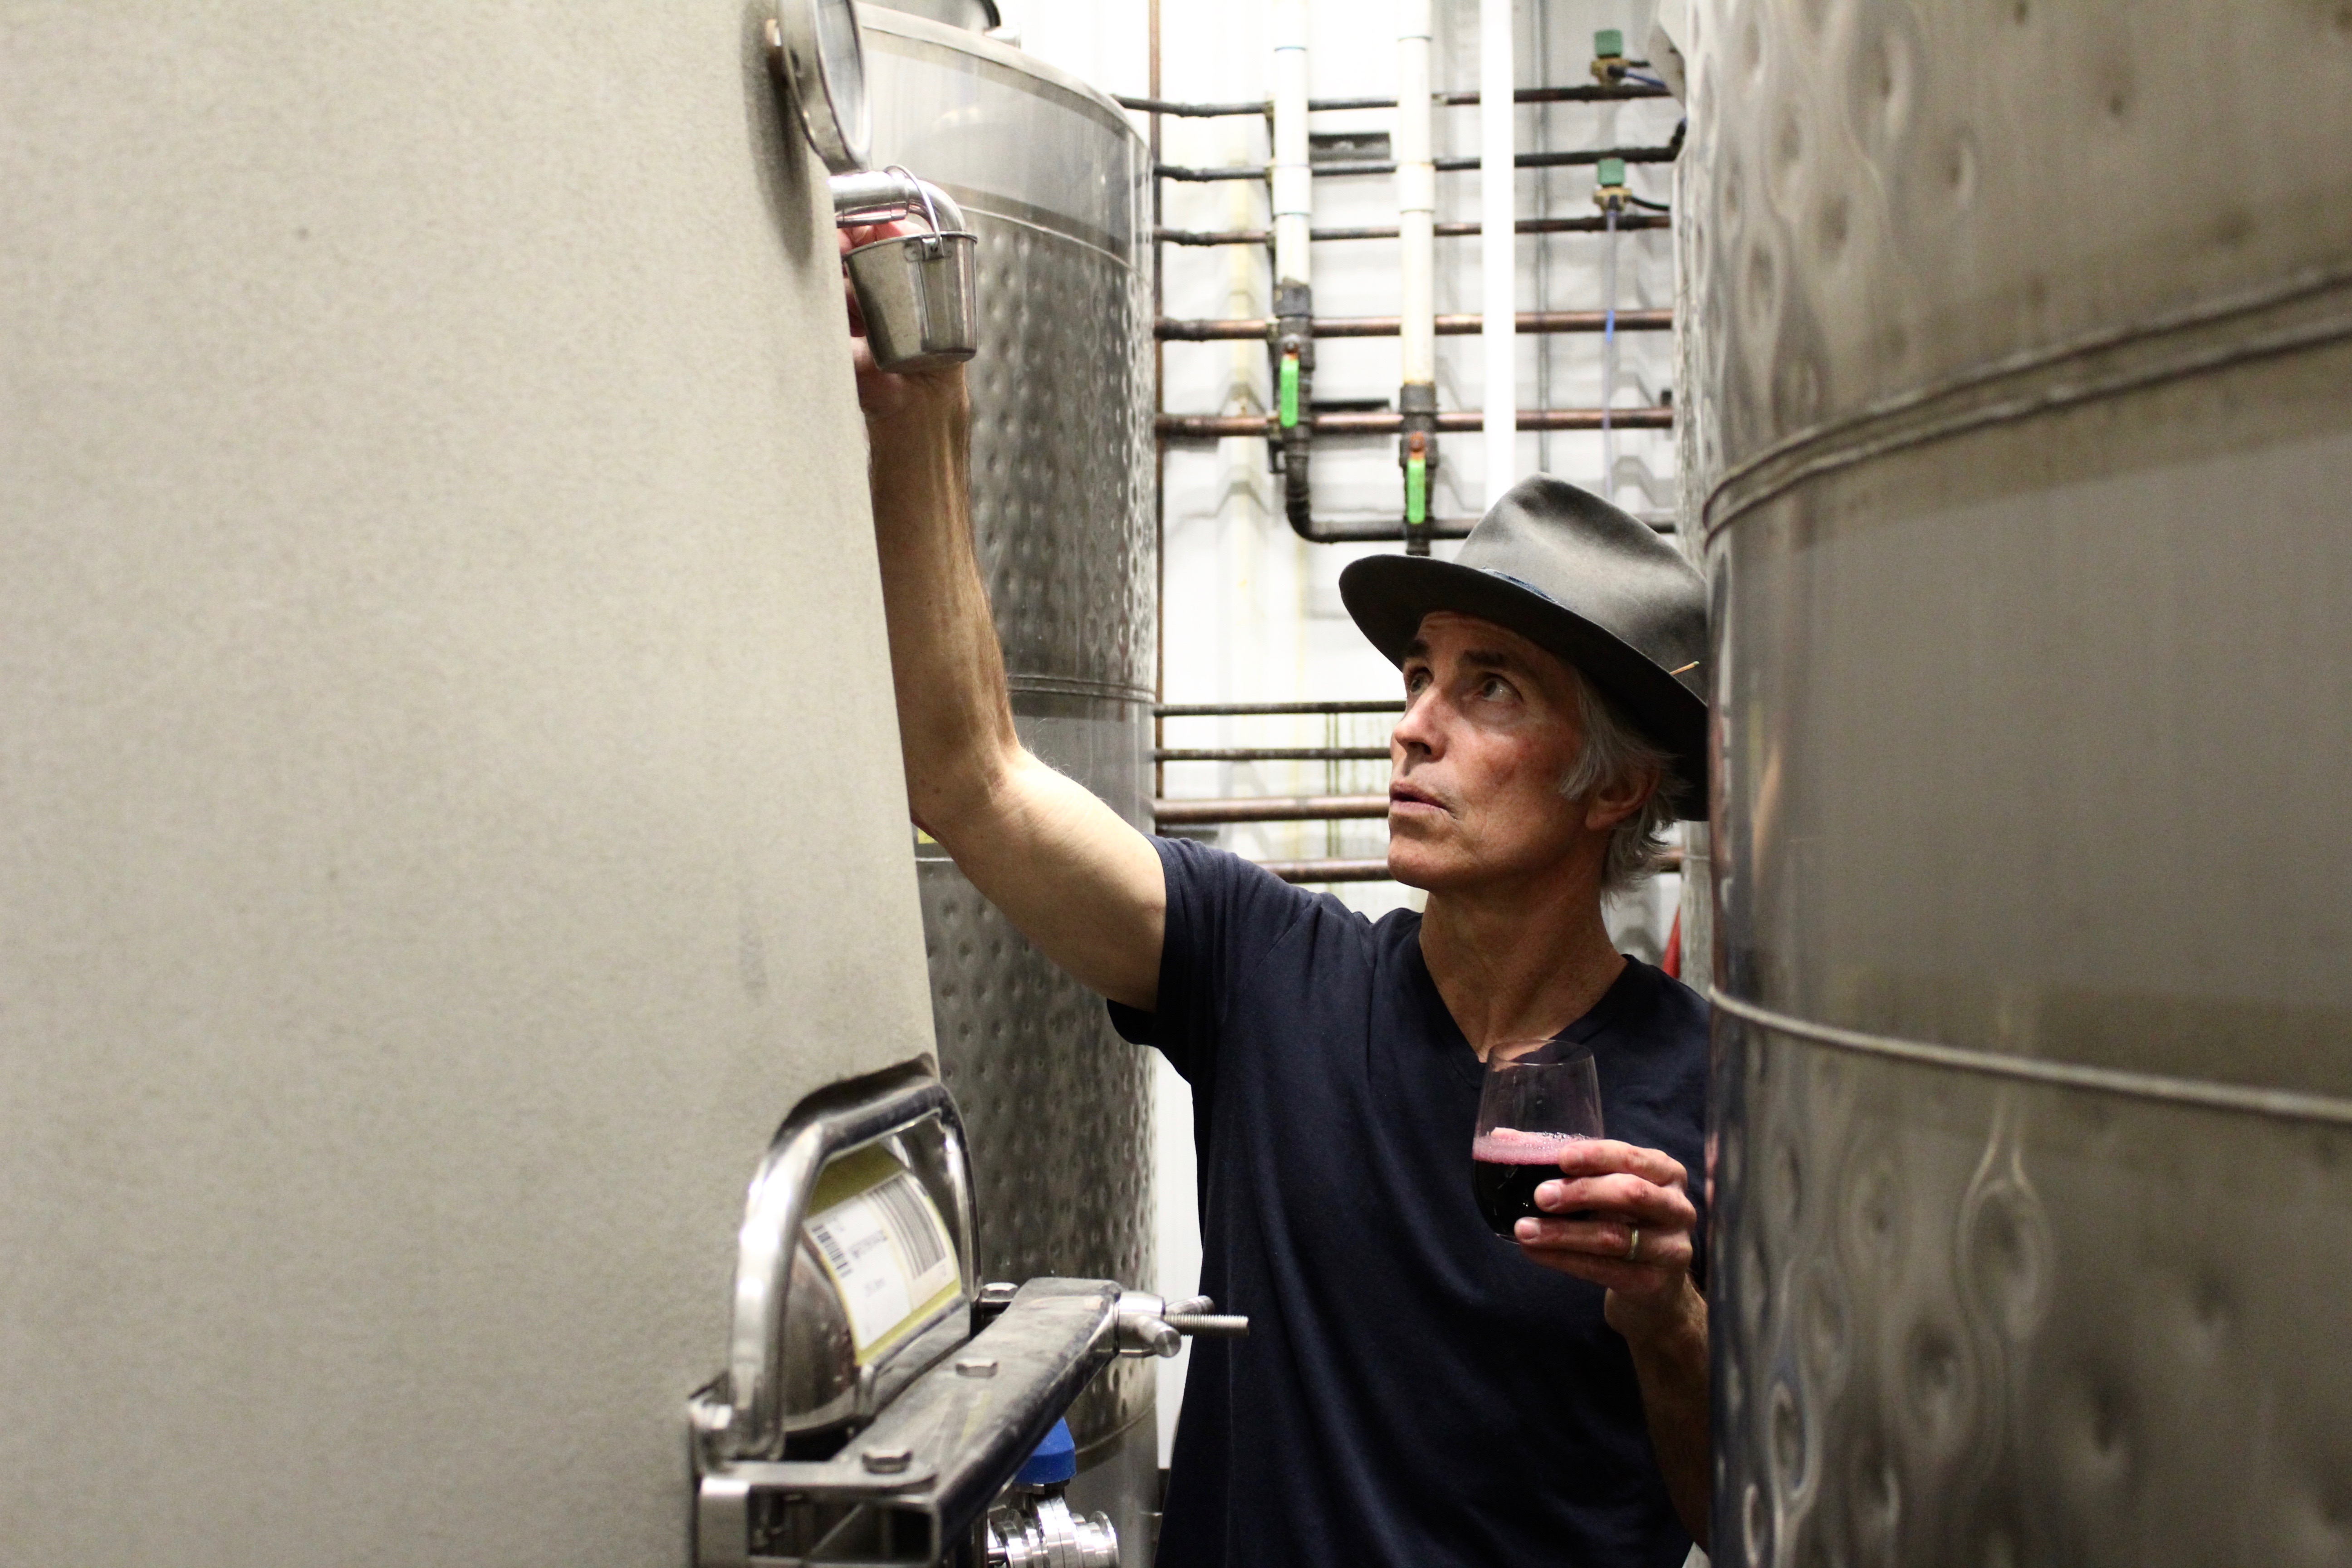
889 1256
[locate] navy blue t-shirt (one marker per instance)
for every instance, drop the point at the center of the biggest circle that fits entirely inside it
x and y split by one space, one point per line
1412 1393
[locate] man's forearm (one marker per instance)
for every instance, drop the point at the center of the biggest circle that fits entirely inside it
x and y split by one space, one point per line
1670 1358
955 722
1062 866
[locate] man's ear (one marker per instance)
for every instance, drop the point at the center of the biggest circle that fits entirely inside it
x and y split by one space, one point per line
1612 804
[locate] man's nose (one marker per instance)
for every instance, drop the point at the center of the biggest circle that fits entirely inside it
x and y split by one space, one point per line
1418 728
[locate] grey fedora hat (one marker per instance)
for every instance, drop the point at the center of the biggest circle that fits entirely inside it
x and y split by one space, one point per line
1576 576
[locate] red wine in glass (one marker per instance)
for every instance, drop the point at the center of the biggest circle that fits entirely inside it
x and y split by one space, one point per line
1538 1096
1507 1166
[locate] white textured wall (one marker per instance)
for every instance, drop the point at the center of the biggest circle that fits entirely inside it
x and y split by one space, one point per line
449 806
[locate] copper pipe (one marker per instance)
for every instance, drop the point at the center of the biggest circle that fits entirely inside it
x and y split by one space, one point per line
1444 230
1381 529
1328 870
1583 157
1211 426
1159 450
1254 710
1178 329
1378 871
1271 754
1597 94
1269 808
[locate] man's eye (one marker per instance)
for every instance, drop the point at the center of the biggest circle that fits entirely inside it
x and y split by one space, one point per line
1494 686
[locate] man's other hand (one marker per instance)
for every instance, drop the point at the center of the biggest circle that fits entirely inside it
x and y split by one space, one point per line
1633 1235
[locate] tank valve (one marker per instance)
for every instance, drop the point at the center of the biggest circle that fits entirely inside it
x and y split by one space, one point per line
1611 193
1034 1527
1609 61
1042 1533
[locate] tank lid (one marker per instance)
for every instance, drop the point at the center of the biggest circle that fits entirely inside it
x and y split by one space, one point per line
1055 1460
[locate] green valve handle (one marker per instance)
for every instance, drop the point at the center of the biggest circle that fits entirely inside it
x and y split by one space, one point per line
1287 399
1610 172
1416 490
1609 41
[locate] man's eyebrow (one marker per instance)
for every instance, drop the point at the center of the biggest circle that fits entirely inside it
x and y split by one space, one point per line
1476 657
1495 658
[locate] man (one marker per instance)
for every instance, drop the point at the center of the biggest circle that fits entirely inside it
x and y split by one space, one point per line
1414 1391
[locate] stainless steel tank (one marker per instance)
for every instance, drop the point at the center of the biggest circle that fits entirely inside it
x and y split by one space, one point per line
1054 181
2023 380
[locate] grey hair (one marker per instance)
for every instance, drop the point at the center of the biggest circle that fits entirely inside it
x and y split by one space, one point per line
1614 751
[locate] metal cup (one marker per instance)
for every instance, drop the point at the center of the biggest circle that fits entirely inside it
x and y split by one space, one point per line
916 293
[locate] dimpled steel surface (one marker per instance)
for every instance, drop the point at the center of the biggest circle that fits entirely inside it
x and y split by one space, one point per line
1050 178
2019 417
1061 461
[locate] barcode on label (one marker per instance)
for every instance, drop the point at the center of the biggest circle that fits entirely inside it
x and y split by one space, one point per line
833 1252
889 1256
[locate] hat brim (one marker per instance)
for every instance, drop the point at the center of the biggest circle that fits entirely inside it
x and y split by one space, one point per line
1390 595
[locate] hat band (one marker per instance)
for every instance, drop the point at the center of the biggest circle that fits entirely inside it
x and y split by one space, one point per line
1522 583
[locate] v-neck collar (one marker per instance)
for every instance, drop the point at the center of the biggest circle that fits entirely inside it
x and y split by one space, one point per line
1452 1043
1456 1046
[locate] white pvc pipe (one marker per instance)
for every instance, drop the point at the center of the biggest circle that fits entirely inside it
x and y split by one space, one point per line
1498 248
1416 196
1609 363
1292 191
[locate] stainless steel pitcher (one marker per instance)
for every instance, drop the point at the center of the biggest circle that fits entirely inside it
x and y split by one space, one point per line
914 289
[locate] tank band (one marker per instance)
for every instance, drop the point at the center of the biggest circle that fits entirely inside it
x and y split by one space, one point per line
2284 1105
2308 310
1076 686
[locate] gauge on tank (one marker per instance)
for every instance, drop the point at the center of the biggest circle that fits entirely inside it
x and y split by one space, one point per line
823 58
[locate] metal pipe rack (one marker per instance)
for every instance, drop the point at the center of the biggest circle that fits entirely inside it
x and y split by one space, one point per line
1168 813
1574 157
1270 754
1219 812
1177 328
1378 871
1596 93
1215 426
1442 231
1291 335
1269 808
1328 870
1209 813
1266 710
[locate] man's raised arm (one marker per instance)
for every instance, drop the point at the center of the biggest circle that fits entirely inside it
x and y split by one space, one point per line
1077 881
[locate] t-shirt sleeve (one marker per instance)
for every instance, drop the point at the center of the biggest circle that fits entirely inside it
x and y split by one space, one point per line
1223 913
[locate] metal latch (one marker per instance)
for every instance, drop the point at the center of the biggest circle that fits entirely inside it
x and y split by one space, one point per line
833 1441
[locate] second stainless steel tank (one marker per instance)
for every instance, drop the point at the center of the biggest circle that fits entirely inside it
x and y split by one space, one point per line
1054 181
2023 363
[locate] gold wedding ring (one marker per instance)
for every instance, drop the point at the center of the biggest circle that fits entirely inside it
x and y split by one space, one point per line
1633 1246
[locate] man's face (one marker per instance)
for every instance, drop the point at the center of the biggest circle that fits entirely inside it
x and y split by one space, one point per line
1489 731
